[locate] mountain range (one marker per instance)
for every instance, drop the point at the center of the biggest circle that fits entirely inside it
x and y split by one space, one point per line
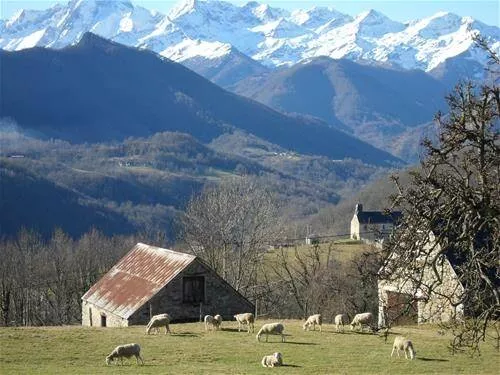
368 100
255 33
99 90
307 100
283 59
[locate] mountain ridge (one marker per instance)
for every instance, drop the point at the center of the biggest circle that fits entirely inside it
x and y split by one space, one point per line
419 44
100 90
369 100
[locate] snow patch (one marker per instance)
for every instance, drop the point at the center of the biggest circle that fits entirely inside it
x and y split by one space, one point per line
188 49
31 40
126 24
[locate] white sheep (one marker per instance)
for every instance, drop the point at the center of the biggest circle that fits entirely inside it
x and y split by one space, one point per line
361 319
126 351
212 322
158 321
340 320
217 321
271 329
402 343
312 321
276 359
245 318
209 322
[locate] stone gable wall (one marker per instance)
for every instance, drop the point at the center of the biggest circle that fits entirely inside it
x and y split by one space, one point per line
220 298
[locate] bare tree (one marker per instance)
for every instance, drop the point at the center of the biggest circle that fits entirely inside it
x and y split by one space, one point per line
358 282
309 276
230 226
451 213
42 281
7 282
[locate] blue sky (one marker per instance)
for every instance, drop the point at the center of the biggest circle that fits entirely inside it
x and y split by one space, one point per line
400 10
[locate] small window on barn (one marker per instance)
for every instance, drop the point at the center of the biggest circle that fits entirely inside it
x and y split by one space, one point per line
193 289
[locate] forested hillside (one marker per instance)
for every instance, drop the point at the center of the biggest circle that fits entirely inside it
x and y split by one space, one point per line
143 184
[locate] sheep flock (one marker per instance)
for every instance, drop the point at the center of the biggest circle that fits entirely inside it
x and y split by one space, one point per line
213 323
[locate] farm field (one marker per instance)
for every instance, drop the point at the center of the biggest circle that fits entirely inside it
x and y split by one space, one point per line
191 350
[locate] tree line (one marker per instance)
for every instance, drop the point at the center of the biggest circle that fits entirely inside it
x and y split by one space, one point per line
42 281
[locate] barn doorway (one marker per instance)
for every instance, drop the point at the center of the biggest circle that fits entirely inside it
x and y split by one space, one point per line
401 308
103 320
193 289
90 316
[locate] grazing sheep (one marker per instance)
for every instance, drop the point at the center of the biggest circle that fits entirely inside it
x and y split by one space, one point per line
212 322
340 320
245 318
360 319
312 321
158 321
217 321
402 343
126 351
276 359
272 329
209 322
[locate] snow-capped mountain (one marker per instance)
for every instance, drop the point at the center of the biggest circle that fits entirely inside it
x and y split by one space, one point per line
317 17
210 29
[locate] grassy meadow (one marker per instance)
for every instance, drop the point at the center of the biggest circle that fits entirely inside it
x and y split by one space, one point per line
191 350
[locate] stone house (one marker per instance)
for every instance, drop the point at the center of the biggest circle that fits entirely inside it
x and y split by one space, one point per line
151 280
372 225
312 239
436 300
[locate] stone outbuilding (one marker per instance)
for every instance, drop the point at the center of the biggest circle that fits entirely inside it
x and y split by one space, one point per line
151 280
372 225
435 300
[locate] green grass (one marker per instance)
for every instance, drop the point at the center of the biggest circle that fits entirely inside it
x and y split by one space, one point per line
189 350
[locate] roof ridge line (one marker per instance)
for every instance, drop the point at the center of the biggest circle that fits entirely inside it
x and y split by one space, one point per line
167 250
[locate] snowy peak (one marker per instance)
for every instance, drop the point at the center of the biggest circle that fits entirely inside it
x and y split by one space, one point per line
319 16
439 24
281 28
374 24
265 13
182 7
272 36
90 6
16 17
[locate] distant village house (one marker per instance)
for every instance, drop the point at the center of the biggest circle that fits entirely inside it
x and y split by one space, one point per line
150 280
370 226
312 239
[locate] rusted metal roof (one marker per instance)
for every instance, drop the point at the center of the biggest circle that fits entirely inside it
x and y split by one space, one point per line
136 278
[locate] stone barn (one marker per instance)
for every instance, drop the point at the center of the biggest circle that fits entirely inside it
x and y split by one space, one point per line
400 302
151 280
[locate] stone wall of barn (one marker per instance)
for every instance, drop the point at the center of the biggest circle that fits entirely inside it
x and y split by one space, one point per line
437 308
220 298
431 307
92 316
